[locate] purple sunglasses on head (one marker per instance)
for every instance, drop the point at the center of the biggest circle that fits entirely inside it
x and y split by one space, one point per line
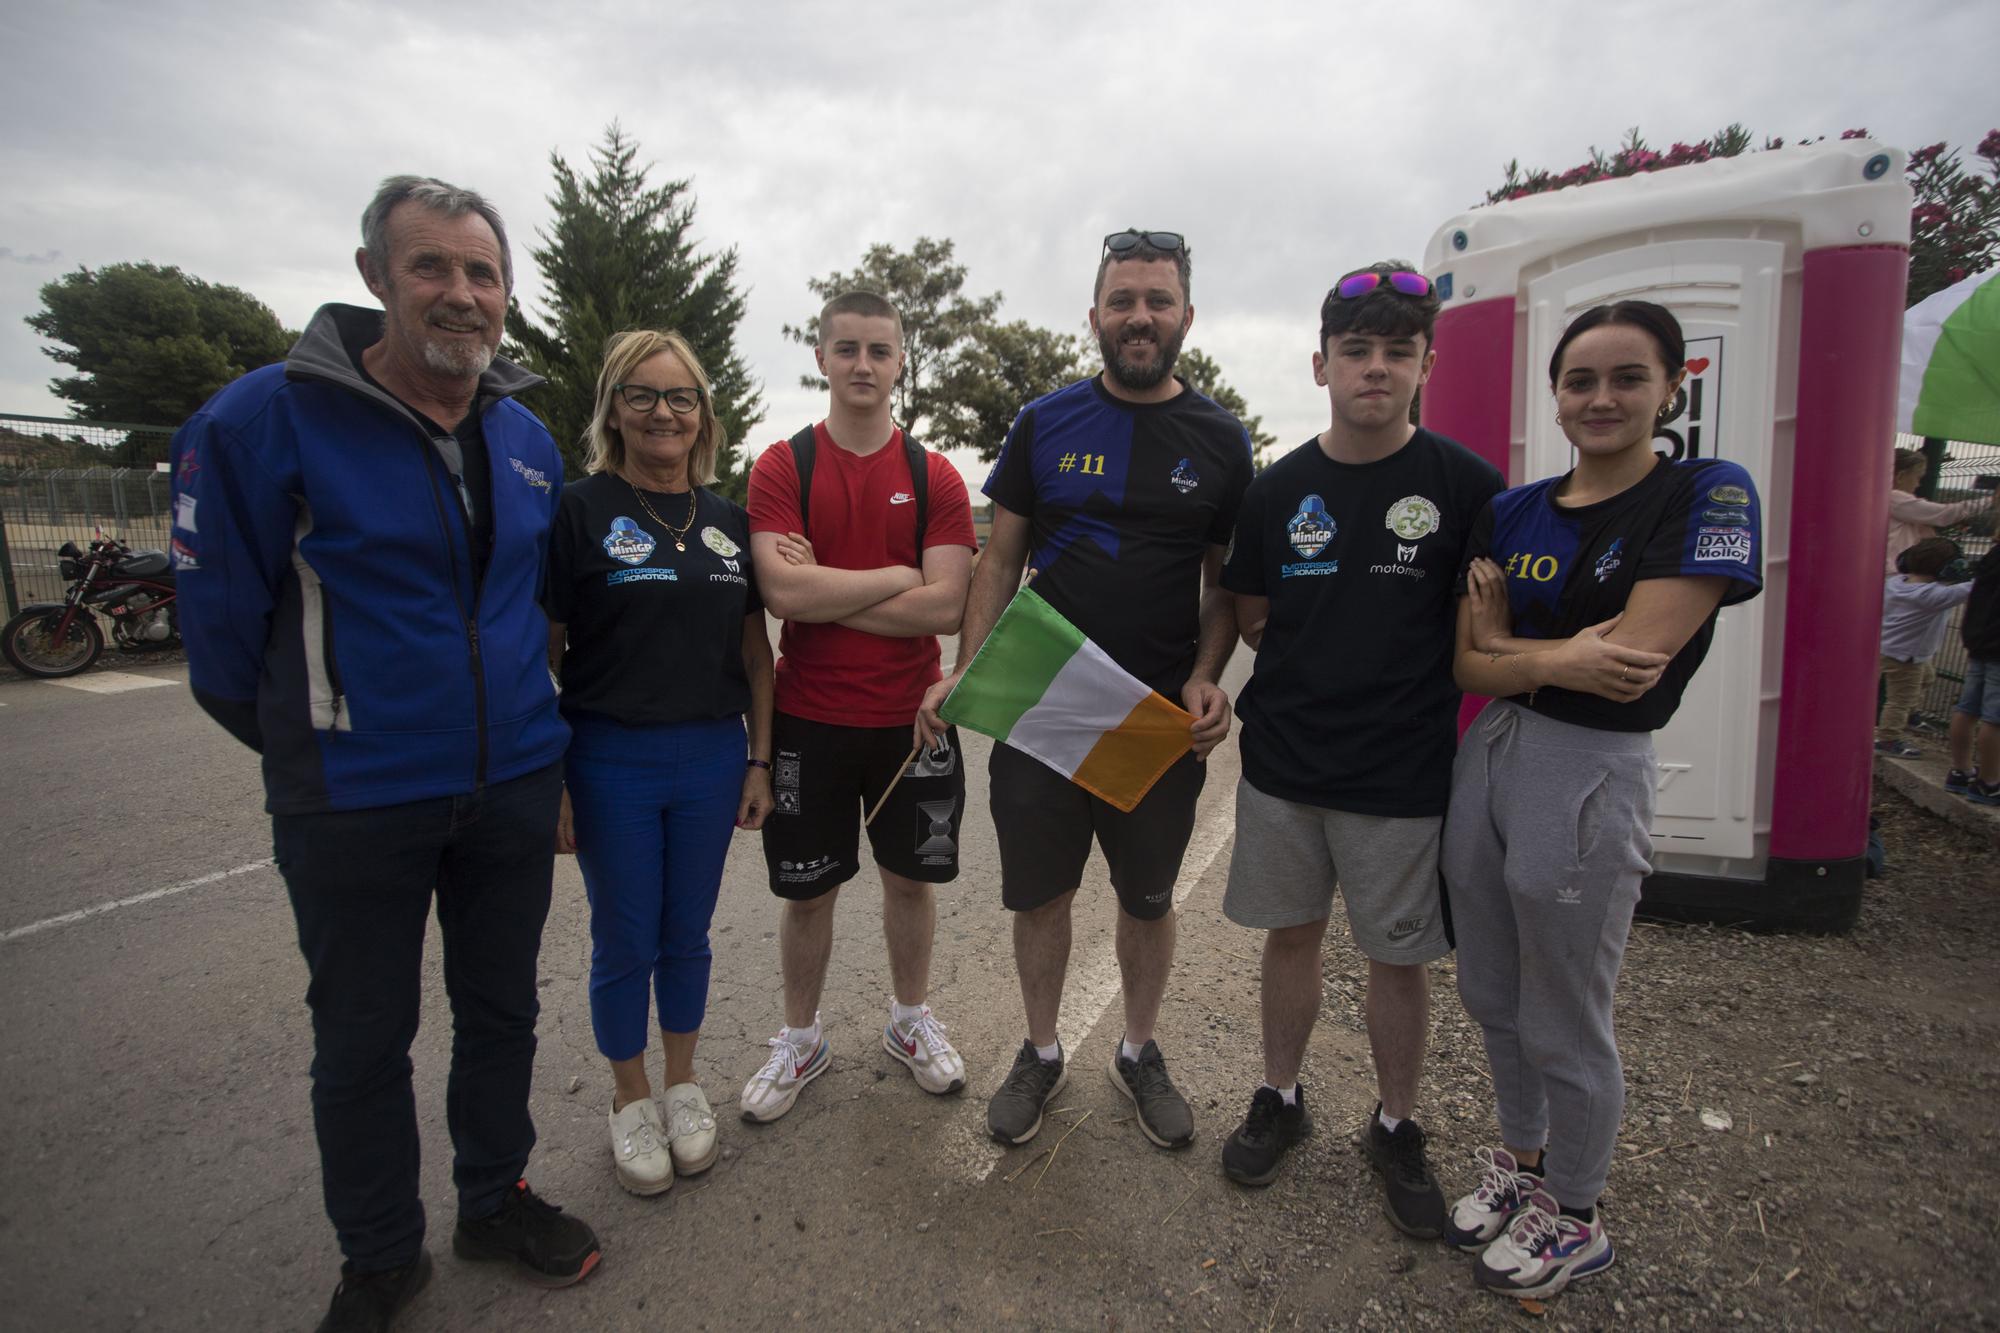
1402 280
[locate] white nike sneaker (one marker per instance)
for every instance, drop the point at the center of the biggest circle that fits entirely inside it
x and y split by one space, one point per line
772 1089
690 1129
639 1149
921 1045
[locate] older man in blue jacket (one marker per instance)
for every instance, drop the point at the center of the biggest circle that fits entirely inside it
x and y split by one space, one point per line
360 535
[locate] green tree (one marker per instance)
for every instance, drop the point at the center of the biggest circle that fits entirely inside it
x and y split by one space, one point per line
1202 374
150 343
621 255
1002 368
940 326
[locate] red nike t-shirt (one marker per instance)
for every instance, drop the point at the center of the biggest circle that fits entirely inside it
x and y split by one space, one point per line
863 517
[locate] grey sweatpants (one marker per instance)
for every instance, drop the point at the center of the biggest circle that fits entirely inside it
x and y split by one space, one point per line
1545 843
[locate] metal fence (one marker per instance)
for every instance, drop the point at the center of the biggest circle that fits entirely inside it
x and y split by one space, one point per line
1964 463
61 481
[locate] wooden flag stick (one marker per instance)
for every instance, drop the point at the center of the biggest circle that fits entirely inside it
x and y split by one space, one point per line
901 769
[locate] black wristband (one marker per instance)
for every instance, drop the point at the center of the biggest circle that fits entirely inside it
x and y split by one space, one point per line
764 764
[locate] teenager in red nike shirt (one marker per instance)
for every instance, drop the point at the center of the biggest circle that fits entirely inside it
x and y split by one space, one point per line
864 591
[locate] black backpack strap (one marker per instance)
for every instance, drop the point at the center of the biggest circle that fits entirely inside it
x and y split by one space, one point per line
804 446
920 488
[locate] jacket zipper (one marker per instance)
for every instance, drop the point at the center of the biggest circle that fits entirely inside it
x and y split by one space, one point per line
471 623
327 659
433 465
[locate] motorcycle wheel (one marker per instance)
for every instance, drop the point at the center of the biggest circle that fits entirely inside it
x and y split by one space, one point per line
29 645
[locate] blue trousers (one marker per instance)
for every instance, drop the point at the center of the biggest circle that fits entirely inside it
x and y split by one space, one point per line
654 808
361 883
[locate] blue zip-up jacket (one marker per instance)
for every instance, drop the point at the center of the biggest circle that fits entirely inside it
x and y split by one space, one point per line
327 594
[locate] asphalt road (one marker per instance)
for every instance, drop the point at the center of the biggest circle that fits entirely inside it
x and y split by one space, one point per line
159 1169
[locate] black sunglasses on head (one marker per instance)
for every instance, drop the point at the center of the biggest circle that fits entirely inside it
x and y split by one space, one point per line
1121 242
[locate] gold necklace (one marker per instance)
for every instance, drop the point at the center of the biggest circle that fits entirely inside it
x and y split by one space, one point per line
672 531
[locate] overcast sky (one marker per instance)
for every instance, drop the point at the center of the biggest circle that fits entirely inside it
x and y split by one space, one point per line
1288 141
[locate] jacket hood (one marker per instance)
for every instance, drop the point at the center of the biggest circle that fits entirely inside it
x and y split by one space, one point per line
338 333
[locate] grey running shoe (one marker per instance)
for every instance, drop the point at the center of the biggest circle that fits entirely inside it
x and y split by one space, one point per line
1015 1113
1258 1147
1416 1204
1163 1113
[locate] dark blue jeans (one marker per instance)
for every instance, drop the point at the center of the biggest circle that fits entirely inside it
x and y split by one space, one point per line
361 883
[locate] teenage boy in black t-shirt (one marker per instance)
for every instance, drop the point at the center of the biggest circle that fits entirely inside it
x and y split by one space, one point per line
1120 491
1343 567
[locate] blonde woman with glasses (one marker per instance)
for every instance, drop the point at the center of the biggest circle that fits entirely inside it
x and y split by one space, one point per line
657 635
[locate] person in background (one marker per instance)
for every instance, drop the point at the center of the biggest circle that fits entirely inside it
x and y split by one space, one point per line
1911 519
1975 719
1590 602
1915 602
658 635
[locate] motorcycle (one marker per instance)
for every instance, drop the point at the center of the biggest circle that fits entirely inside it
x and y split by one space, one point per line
134 589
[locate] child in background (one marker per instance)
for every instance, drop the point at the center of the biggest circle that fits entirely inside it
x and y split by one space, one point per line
1912 519
1979 704
1914 606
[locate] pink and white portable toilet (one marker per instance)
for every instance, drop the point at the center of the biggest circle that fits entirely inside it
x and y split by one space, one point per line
1787 269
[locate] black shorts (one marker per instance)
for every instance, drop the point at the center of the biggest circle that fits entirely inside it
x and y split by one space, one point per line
824 781
1044 823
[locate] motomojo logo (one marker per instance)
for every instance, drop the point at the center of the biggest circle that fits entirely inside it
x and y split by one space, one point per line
1401 569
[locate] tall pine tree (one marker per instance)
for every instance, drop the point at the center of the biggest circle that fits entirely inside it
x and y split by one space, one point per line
620 255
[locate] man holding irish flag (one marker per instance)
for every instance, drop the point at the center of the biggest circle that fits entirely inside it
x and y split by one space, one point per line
1123 489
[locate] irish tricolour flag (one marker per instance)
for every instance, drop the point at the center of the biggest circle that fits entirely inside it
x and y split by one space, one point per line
1038 685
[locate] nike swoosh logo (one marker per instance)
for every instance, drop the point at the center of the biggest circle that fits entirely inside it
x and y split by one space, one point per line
901 499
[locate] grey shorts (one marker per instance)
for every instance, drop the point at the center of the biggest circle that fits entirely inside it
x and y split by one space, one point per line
1289 859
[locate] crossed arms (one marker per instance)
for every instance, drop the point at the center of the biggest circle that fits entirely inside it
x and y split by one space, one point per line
895 601
1618 659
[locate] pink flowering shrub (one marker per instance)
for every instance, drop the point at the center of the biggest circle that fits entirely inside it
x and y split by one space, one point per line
1954 226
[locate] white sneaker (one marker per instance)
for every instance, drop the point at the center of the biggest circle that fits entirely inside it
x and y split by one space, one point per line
772 1089
690 1129
921 1045
1504 1190
1542 1250
639 1149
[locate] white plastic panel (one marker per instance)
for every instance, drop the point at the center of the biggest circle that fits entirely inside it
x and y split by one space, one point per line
1728 293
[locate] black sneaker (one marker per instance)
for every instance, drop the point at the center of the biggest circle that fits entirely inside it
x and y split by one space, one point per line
1258 1147
1416 1204
1015 1113
1957 780
369 1302
550 1249
1163 1113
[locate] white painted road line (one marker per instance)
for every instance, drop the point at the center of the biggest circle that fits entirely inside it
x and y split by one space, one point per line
110 682
1091 988
69 917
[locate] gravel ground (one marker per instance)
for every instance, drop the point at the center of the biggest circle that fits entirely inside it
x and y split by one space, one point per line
1854 1188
